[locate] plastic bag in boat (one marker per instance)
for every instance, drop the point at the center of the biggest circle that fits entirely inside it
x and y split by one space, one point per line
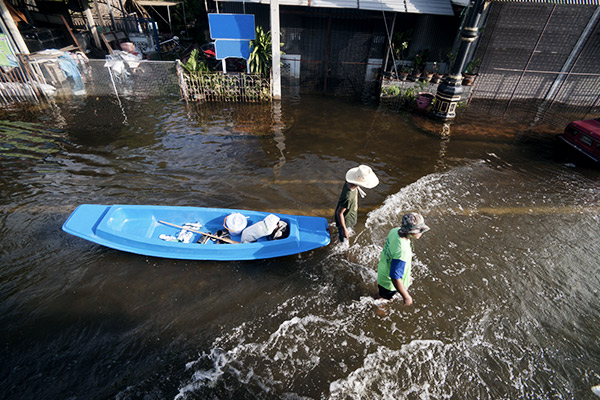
260 229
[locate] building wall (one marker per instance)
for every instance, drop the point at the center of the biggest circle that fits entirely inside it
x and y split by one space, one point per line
340 51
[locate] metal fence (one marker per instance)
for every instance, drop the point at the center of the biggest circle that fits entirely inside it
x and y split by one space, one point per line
43 77
542 58
219 87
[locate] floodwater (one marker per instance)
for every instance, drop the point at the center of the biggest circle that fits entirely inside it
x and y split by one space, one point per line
505 283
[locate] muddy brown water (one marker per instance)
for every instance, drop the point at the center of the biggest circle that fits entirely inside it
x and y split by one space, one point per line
505 284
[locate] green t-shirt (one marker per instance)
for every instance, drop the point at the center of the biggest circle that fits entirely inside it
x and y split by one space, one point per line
349 201
398 248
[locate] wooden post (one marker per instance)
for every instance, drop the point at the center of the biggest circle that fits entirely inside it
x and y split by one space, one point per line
276 50
92 25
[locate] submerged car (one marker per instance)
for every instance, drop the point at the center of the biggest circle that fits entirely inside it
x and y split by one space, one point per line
584 138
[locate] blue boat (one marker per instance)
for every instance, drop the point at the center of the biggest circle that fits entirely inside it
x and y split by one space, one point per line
152 231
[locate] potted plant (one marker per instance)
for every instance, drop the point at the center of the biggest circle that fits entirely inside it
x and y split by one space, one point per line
419 62
437 76
423 98
391 91
470 72
408 97
426 76
403 73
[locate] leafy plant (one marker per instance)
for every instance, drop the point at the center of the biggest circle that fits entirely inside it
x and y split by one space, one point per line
421 86
195 63
400 42
420 60
473 66
261 56
409 96
391 90
450 56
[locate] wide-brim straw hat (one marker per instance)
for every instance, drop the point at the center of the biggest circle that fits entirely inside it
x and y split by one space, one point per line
413 223
363 176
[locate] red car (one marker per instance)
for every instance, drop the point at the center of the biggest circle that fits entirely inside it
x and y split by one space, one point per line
584 137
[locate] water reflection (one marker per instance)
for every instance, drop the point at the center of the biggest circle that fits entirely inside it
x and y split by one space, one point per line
505 281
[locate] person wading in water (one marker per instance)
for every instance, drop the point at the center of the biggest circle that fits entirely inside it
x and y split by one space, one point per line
346 212
394 268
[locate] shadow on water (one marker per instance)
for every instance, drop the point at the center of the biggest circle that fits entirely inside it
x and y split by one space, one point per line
504 283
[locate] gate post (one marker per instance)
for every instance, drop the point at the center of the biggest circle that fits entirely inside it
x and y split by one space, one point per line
275 50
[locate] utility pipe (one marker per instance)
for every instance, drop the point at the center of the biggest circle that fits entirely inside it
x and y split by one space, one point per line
13 31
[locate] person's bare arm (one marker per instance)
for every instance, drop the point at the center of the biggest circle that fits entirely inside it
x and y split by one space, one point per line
342 221
403 291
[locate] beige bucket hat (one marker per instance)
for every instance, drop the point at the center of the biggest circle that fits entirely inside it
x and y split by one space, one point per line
363 176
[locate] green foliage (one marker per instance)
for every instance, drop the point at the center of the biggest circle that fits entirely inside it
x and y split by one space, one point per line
261 56
450 56
420 60
391 90
421 86
195 63
400 42
473 66
409 96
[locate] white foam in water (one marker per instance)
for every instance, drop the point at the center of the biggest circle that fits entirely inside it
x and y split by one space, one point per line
314 346
396 374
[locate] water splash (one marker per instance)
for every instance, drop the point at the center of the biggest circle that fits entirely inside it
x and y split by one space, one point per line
482 325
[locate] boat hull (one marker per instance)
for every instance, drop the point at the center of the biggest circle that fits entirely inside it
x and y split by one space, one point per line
137 229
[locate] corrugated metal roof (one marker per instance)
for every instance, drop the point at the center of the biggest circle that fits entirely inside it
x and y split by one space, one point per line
557 2
435 7
159 2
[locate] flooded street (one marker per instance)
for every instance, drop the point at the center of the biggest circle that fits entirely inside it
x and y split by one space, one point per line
505 283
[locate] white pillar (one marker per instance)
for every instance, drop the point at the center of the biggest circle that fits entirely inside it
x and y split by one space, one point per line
13 31
275 50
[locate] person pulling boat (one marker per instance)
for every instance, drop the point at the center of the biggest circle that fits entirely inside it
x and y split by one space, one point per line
346 212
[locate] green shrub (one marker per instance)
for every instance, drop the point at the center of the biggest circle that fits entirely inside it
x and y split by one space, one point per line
260 53
195 63
391 90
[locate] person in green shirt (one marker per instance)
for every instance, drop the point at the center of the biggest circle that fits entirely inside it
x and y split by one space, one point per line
346 212
394 268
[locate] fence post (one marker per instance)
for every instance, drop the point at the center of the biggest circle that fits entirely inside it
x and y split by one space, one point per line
182 82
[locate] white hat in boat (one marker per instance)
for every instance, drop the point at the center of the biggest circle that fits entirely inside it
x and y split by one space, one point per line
363 176
235 223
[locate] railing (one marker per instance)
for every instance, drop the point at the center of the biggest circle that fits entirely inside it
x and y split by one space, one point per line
219 87
23 83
